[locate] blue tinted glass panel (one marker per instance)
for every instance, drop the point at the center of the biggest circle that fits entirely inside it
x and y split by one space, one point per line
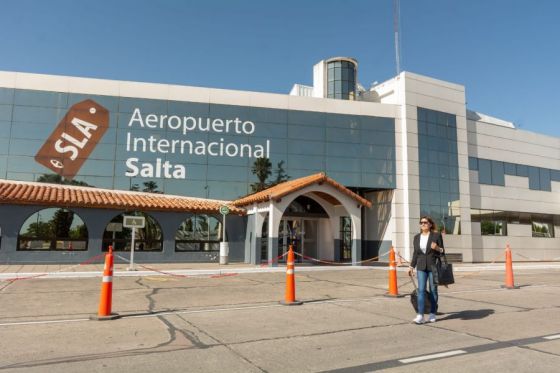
534 178
6 95
498 173
510 169
484 171
439 167
555 175
522 170
544 179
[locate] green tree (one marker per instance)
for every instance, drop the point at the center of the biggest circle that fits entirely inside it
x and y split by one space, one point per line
262 168
280 173
39 229
151 187
61 222
80 232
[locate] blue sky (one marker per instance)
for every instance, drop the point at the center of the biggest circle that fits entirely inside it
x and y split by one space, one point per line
506 52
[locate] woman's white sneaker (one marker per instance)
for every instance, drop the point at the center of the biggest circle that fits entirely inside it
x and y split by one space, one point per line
432 317
419 319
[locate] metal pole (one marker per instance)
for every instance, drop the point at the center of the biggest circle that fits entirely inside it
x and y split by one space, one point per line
224 230
224 247
131 268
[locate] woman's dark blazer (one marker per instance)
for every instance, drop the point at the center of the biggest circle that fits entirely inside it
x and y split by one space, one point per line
426 262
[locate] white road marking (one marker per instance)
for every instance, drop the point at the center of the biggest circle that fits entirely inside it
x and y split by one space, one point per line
556 336
42 322
433 356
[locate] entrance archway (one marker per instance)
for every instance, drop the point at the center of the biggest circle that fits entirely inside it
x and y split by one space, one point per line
300 226
335 199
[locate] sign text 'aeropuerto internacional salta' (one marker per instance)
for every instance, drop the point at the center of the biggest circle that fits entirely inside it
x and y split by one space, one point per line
185 125
77 134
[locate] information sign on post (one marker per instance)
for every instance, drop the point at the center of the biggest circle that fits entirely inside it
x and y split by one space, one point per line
133 222
224 247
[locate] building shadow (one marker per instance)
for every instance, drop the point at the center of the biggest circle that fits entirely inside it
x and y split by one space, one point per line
468 315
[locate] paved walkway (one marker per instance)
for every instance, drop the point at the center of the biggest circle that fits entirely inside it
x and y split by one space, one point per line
11 271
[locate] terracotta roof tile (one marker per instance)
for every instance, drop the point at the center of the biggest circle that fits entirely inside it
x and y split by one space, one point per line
287 187
32 193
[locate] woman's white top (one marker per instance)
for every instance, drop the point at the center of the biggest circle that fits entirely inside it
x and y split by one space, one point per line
424 242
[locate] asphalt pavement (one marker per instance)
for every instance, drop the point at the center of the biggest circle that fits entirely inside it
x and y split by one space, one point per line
211 318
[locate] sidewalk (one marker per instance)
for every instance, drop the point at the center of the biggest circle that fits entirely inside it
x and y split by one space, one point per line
14 271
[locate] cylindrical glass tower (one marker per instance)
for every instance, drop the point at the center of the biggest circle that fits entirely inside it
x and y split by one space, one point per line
341 78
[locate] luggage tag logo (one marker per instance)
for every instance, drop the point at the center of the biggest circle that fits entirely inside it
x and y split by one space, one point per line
74 138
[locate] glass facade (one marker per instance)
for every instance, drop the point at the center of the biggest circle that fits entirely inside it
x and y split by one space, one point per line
149 238
439 169
341 79
53 229
495 223
345 238
492 172
195 149
200 232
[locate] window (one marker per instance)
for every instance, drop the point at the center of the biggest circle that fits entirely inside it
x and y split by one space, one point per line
473 163
510 169
542 226
498 173
492 223
345 238
199 233
522 170
544 178
341 80
149 238
493 228
484 171
439 169
495 223
534 178
492 172
53 229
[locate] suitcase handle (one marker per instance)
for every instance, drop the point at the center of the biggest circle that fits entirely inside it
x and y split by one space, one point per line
413 282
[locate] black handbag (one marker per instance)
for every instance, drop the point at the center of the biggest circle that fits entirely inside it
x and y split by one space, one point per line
414 298
445 271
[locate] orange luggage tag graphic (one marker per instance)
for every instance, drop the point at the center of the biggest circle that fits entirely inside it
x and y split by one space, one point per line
74 138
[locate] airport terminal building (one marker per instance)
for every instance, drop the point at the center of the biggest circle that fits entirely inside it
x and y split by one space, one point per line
346 172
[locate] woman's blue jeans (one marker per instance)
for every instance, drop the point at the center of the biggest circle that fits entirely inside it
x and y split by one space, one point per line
423 277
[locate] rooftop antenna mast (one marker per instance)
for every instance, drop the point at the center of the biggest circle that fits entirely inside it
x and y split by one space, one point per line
396 17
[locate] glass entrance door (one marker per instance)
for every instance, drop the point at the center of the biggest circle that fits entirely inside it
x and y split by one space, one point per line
301 233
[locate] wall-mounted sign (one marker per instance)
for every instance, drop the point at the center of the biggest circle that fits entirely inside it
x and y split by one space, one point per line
114 227
74 138
130 221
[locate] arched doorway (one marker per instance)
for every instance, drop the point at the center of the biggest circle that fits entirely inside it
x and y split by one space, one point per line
336 201
149 238
299 226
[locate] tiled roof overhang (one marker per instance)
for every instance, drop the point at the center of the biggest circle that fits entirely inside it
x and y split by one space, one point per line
33 193
278 191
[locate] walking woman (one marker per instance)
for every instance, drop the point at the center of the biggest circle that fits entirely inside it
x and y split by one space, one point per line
428 245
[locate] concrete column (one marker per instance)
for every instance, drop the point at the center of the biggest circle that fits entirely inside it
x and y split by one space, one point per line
356 237
274 217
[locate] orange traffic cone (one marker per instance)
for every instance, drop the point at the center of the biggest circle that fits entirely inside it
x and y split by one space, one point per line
290 298
105 301
393 288
509 271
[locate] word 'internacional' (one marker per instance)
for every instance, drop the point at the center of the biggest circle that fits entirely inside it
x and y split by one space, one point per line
185 125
